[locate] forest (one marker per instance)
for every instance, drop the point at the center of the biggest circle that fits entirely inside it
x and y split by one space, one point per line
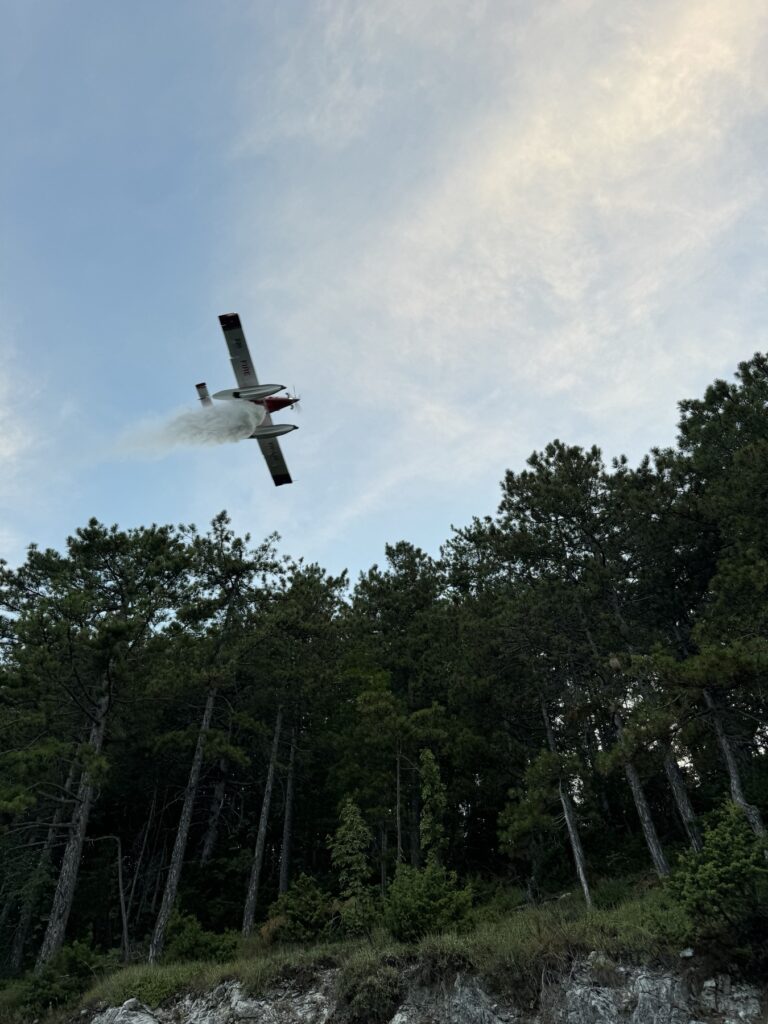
202 736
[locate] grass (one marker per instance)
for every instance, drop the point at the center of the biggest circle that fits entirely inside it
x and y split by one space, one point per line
514 953
506 950
509 945
257 969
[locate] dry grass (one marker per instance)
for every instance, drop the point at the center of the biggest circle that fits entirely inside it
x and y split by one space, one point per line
511 949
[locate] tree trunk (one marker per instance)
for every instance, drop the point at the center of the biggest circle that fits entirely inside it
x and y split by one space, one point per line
751 813
249 912
643 810
682 801
126 942
285 846
214 814
398 809
70 863
38 878
142 851
646 821
180 844
672 769
415 818
383 852
158 878
570 816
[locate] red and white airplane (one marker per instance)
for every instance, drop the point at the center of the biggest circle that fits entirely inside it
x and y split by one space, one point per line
263 396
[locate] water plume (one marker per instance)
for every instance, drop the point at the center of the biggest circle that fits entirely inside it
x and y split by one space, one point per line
220 423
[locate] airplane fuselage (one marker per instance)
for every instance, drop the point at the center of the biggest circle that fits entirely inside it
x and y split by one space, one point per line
275 404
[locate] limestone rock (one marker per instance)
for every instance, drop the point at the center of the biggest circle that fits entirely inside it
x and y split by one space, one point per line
595 991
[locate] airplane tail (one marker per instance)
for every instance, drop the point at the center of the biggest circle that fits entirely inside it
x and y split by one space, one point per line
202 391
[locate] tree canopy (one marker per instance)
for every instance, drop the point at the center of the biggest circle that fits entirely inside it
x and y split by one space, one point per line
568 692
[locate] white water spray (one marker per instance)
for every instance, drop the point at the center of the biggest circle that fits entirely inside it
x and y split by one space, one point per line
220 423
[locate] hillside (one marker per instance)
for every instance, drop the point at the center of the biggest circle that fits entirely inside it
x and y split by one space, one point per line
211 750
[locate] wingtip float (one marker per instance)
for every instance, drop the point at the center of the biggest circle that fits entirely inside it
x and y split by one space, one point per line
249 390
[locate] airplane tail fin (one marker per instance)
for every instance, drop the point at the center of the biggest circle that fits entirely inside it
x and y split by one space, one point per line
202 391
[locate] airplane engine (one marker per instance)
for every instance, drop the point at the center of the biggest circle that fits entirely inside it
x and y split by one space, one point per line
273 430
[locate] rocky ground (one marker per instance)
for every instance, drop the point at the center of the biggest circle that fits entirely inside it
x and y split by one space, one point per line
596 991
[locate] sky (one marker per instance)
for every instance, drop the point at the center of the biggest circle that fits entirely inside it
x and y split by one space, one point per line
459 229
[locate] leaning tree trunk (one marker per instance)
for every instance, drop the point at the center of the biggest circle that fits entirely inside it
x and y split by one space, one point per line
570 816
398 808
214 814
671 767
142 851
249 912
383 849
180 845
285 846
682 800
643 810
38 878
633 778
158 878
415 818
751 813
70 863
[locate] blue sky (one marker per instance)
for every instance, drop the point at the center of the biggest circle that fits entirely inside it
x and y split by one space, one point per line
459 228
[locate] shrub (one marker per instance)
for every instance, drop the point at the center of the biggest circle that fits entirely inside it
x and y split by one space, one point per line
723 891
299 915
188 940
349 853
60 983
368 991
422 900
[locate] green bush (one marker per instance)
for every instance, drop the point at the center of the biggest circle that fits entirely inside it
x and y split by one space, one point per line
610 892
356 906
723 891
70 973
299 915
422 900
188 940
368 990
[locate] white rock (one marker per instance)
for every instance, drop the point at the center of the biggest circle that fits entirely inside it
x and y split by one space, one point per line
595 992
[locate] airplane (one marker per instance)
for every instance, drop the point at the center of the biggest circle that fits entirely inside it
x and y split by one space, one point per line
249 390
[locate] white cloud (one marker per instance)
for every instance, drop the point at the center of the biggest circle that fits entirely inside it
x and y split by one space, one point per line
17 434
585 170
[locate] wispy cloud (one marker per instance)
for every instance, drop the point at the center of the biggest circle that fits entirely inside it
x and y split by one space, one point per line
18 432
587 177
20 436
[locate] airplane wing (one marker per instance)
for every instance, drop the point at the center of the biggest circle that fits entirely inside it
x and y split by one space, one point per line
245 373
242 364
273 455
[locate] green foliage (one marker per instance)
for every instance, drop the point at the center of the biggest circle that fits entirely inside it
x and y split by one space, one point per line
433 807
186 939
61 982
723 890
299 915
605 614
368 990
423 900
530 809
154 985
512 951
349 854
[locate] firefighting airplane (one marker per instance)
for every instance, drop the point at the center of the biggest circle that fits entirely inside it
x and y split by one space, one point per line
261 395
